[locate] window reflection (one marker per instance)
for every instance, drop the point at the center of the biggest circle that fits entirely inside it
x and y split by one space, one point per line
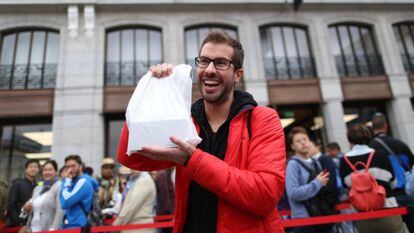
286 52
28 59
114 128
21 142
404 32
129 54
354 51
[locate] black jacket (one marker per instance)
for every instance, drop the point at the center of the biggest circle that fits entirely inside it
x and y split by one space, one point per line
20 192
398 146
202 204
328 164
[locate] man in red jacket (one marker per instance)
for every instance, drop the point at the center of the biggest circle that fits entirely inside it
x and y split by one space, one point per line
233 180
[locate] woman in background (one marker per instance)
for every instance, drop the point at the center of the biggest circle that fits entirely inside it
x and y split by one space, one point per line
44 207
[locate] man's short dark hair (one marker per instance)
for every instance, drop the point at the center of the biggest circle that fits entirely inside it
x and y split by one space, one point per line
333 146
359 134
77 158
221 37
30 161
88 170
379 121
296 130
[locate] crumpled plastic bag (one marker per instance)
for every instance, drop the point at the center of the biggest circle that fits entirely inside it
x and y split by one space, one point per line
160 108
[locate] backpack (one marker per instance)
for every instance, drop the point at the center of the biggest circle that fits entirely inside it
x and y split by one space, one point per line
320 204
409 188
365 193
94 215
400 164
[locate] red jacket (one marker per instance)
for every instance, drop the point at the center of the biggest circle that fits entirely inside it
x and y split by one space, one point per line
248 183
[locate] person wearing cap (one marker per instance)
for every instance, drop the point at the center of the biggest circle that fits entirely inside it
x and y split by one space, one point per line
124 174
110 197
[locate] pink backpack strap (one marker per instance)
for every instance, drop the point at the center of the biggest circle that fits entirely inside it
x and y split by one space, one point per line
367 165
349 163
371 155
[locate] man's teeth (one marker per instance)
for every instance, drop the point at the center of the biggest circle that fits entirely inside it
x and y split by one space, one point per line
210 82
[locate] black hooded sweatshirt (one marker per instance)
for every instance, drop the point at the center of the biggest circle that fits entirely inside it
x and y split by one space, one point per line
202 204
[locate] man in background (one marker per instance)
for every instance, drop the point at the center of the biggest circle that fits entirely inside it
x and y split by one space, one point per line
20 192
76 194
402 160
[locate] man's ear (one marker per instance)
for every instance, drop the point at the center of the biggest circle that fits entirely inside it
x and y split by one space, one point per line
292 147
238 75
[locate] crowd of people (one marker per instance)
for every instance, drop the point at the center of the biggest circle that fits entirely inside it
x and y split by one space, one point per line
316 182
233 181
72 197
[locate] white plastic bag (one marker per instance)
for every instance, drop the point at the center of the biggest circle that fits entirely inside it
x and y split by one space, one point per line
160 108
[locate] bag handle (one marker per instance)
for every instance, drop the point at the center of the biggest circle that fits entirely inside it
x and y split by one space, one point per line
366 165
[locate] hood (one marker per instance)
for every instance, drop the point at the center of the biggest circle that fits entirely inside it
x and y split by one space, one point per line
93 181
242 100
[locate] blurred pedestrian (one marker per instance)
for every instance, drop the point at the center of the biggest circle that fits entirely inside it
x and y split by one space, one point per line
402 160
76 195
45 213
4 187
139 202
20 192
306 182
165 194
359 137
334 152
110 197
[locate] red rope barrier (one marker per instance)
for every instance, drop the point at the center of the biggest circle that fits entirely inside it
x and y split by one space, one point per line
132 227
298 222
286 223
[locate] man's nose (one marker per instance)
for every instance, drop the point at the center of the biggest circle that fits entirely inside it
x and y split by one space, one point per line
210 68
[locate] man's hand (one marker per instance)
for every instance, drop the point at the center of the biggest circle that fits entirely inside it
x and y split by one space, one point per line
177 155
161 70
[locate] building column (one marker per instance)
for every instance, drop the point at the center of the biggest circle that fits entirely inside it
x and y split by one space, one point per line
330 84
173 42
78 125
254 78
399 110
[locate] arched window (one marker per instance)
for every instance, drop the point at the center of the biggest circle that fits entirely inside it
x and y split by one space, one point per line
129 53
194 36
355 51
28 59
286 52
404 32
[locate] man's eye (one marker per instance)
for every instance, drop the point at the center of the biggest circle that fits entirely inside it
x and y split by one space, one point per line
204 61
221 62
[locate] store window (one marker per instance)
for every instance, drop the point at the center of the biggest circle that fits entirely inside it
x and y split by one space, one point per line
286 52
355 51
129 54
28 59
404 32
114 124
21 142
362 112
306 116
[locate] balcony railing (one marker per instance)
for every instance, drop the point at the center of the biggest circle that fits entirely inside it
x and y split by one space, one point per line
289 68
408 62
24 76
126 73
356 66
